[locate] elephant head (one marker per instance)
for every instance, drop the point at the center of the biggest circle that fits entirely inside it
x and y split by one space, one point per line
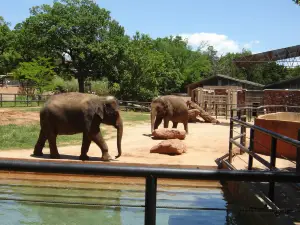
159 107
108 110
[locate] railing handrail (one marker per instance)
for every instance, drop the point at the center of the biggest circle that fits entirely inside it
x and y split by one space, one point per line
157 172
269 132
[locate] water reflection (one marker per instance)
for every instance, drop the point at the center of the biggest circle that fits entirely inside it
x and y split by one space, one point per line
38 203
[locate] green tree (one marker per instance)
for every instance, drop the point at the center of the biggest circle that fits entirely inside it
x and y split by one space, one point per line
39 72
8 56
77 30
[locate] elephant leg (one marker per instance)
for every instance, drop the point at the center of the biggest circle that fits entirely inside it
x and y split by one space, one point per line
175 124
86 142
98 139
53 147
158 121
186 128
166 123
38 148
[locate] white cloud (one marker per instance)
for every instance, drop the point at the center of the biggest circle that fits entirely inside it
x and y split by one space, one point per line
220 42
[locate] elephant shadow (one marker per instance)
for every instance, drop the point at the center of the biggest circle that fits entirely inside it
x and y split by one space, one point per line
70 157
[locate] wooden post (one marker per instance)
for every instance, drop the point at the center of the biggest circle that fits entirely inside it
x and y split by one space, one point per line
251 148
15 100
1 100
27 100
298 155
273 164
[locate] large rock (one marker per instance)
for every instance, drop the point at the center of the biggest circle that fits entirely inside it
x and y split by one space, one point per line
165 133
170 147
193 113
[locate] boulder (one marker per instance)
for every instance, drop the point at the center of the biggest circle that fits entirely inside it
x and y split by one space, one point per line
193 113
165 133
169 147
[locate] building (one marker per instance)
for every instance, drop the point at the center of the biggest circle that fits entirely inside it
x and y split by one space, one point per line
293 83
223 80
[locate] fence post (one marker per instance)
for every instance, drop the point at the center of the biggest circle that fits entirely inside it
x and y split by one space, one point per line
273 163
1 99
243 131
216 109
15 100
251 148
230 136
298 155
27 100
226 108
150 200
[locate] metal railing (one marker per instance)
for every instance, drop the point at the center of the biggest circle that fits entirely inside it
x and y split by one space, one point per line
240 119
14 100
151 174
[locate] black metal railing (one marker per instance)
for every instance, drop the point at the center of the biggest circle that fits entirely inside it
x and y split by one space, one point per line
151 174
240 120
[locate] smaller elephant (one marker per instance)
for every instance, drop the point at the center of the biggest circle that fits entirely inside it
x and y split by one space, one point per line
169 108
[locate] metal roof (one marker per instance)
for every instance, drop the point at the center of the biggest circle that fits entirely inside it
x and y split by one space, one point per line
283 81
270 56
226 77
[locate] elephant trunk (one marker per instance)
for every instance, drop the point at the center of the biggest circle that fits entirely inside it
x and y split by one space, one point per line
153 115
119 136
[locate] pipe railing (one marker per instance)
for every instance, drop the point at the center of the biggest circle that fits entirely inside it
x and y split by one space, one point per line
240 119
151 174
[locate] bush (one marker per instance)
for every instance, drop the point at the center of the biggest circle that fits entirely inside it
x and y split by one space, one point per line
100 87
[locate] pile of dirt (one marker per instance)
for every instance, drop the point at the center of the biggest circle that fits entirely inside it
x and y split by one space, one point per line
9 116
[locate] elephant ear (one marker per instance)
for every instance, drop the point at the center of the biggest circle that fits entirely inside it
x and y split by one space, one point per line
100 111
168 106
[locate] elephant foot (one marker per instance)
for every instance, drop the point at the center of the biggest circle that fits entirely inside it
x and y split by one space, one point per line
55 156
106 157
37 153
84 157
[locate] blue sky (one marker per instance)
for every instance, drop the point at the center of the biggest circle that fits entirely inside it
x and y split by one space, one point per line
230 25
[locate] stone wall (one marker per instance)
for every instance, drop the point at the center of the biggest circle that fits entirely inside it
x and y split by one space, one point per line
281 97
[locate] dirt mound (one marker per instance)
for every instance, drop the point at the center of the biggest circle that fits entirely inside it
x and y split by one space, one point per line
8 116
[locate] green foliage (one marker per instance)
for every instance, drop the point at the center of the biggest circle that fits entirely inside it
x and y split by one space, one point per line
100 87
40 72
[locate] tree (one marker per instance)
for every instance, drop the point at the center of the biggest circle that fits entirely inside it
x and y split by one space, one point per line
77 29
8 56
39 72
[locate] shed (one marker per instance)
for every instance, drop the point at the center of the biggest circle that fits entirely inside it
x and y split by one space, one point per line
223 80
292 83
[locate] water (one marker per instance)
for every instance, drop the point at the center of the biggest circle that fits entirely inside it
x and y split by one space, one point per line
58 202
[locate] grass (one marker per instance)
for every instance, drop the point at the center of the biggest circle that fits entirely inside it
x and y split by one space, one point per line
25 136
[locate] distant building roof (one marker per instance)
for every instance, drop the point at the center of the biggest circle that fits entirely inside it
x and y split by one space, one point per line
268 86
226 77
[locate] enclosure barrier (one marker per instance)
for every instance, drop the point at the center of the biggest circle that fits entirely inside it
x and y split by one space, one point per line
151 174
240 119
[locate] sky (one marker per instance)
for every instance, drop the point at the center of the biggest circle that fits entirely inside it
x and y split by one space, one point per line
230 26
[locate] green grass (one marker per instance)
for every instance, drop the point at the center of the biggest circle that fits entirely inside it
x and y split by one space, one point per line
25 136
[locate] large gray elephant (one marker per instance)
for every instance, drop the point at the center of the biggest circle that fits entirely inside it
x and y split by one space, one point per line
71 113
169 108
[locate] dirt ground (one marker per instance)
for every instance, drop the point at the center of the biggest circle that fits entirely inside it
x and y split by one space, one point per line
205 143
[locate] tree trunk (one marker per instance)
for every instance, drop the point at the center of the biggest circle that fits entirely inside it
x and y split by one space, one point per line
81 83
207 118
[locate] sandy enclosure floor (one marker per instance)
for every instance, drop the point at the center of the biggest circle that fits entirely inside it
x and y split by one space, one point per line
205 143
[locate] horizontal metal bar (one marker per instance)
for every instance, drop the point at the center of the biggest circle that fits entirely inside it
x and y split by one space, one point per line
130 171
257 157
271 133
239 136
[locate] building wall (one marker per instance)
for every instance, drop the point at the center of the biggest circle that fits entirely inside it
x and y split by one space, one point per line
281 97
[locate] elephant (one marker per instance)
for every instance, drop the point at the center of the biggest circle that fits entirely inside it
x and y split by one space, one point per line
72 113
169 108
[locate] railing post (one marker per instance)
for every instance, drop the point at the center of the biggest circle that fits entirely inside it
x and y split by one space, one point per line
230 136
243 131
150 200
226 112
298 155
273 163
216 109
251 148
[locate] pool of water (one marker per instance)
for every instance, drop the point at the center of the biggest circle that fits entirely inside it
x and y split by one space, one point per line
29 201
